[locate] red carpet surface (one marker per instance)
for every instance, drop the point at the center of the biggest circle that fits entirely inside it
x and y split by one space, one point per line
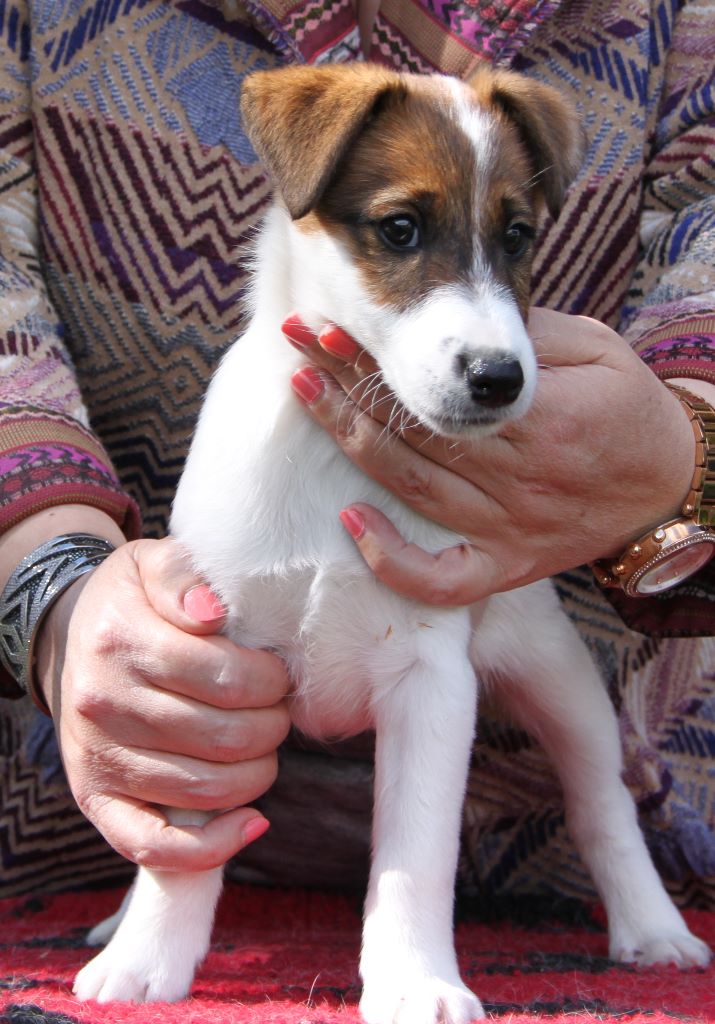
291 958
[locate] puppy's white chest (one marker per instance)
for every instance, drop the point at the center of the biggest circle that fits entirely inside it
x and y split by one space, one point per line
344 638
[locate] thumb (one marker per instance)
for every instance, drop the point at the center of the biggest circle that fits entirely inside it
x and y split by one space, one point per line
456 576
142 834
174 588
563 339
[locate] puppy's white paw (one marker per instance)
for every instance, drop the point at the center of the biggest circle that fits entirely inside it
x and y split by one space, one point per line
679 947
134 976
419 1001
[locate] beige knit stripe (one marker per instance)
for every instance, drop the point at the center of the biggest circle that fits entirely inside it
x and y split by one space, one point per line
430 39
127 229
226 176
23 430
676 329
280 9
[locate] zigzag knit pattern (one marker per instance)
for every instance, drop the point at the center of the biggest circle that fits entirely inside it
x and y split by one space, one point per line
124 117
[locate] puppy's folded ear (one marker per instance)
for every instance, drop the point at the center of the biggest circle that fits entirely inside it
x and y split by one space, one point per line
547 123
302 119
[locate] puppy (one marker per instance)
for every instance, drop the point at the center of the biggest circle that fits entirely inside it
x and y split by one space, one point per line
406 211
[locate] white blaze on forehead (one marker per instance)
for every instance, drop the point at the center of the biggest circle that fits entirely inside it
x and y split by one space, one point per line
477 124
480 127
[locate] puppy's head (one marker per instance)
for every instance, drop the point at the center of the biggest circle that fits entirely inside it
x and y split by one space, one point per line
415 202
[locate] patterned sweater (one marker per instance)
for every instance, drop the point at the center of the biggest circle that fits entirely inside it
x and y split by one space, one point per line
128 192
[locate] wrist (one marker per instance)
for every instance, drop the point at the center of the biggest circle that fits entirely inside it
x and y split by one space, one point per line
30 533
678 449
30 593
679 545
51 644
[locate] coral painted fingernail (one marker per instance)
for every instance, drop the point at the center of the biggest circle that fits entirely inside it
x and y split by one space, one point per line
202 604
308 384
296 331
335 341
353 522
254 829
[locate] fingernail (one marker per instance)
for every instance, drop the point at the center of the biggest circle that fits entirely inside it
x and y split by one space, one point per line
296 331
353 522
308 384
335 341
202 604
254 829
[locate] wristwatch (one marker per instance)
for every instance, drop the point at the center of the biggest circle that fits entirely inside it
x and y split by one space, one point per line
672 552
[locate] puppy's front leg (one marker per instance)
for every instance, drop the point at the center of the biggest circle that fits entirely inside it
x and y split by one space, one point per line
158 937
425 725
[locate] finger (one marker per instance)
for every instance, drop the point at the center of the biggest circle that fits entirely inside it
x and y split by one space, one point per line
335 352
341 347
213 670
562 339
306 341
176 725
143 835
456 576
332 348
172 780
149 652
436 491
176 592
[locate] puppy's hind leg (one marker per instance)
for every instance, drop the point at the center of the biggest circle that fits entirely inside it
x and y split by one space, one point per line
550 684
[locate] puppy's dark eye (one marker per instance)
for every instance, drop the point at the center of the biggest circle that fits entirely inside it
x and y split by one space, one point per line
400 232
516 239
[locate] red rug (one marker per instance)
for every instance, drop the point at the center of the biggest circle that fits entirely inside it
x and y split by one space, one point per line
290 958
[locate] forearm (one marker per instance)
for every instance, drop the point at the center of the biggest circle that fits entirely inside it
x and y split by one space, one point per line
27 535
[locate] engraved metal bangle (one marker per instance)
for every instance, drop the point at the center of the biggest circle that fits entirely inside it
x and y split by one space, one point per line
34 586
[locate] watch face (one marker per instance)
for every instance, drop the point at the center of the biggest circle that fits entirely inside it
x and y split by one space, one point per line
675 568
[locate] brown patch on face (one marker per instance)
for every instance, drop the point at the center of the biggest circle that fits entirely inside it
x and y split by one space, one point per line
413 162
408 162
301 119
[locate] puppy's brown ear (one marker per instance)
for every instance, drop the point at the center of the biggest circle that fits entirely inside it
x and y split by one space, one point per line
302 119
548 126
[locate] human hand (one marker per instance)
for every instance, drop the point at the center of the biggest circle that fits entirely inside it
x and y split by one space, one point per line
153 707
605 452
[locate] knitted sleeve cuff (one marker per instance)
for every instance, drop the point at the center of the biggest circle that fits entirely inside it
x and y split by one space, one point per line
50 459
684 349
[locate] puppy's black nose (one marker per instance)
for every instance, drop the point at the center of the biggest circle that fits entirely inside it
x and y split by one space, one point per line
493 379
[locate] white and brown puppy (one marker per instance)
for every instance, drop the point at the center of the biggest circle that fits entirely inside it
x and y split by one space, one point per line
406 210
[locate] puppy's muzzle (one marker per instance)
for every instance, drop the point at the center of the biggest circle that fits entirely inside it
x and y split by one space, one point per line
494 379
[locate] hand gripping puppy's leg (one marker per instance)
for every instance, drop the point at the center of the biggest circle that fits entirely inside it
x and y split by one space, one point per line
425 727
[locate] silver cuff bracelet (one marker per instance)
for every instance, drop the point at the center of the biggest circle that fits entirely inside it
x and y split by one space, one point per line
31 591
